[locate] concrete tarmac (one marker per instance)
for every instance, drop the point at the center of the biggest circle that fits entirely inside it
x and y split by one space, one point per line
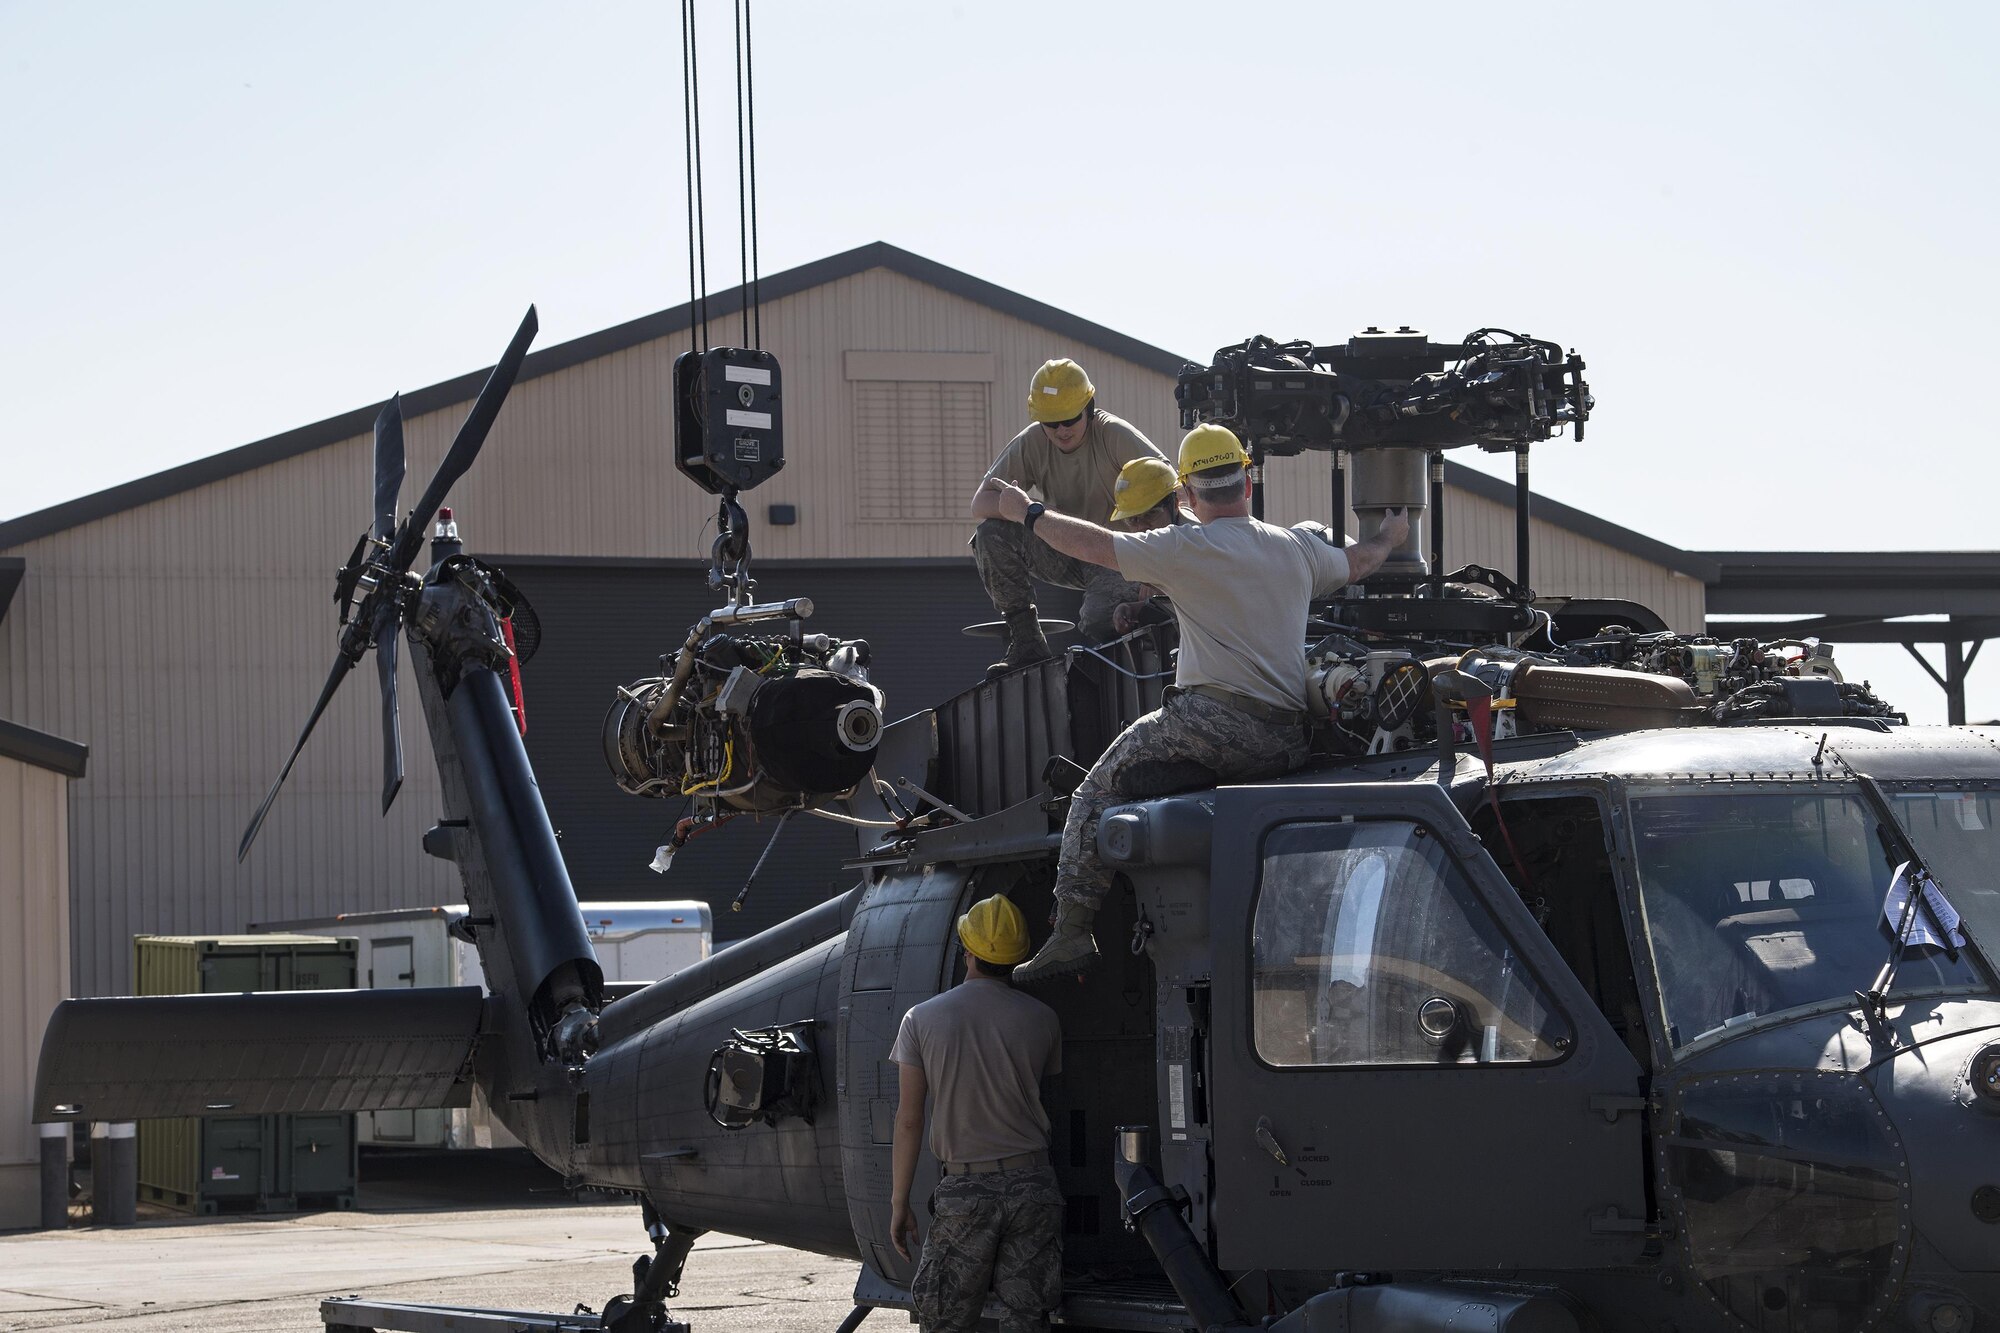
413 1241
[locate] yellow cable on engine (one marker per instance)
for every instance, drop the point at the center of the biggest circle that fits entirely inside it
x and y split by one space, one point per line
728 765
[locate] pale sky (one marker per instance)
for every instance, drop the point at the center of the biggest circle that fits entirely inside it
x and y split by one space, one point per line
1766 226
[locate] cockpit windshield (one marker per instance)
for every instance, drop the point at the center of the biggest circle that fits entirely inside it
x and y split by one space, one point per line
1758 902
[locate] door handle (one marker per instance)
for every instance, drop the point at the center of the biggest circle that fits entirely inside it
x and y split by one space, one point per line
1269 1141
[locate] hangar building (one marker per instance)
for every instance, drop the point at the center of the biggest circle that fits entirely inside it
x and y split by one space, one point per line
36 771
180 625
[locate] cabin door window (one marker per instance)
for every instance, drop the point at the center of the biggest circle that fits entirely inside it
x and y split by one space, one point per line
1371 948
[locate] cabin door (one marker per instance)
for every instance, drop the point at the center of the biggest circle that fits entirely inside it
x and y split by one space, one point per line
1405 1074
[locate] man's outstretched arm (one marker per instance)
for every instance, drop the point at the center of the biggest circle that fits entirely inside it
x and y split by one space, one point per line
1365 557
1077 538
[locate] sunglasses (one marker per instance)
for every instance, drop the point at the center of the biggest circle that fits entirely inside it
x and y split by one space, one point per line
1060 425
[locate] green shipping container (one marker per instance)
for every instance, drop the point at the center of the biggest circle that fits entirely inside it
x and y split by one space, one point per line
217 964
246 1163
318 1166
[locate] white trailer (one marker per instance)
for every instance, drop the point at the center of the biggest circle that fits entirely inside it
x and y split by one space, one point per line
636 944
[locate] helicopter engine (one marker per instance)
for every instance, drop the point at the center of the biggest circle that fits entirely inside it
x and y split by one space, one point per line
1367 702
1377 698
757 724
1743 679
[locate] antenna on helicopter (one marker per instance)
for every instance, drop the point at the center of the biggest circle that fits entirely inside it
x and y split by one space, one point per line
379 569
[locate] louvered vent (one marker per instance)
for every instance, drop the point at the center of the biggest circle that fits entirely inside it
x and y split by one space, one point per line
920 448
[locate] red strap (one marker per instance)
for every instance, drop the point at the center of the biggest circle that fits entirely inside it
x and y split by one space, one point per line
514 676
1479 714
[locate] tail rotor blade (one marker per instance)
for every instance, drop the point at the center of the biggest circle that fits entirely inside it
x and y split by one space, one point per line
387 629
471 438
386 619
388 465
341 666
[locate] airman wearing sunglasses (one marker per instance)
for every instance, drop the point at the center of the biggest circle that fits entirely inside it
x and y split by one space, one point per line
1071 453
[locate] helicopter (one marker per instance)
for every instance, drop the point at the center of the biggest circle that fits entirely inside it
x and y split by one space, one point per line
1591 976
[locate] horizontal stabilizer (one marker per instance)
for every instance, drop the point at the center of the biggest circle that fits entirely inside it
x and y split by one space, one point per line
258 1054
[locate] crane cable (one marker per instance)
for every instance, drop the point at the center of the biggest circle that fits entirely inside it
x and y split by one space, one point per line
750 102
697 215
750 294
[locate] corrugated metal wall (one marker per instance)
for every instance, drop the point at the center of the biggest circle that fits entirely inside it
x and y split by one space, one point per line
1479 531
34 964
184 640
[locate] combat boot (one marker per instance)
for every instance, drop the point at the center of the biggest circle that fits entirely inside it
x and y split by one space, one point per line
1070 950
1025 643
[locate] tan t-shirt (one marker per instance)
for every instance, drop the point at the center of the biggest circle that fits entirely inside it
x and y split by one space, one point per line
1240 588
984 1048
1078 483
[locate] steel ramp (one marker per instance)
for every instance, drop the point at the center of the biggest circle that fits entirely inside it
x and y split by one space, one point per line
354 1314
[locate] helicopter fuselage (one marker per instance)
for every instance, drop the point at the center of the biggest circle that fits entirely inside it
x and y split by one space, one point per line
1459 1037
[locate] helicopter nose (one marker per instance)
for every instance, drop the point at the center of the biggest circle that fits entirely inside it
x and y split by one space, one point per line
1943 1098
1792 1189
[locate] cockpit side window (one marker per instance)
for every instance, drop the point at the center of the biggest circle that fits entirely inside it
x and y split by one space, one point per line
1370 947
1554 850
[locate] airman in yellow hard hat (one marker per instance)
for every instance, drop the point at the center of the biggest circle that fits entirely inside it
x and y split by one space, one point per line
1071 452
1236 712
1208 452
1148 495
1145 493
978 1054
994 931
1058 393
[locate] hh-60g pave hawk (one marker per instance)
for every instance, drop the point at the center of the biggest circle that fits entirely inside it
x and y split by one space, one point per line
1593 976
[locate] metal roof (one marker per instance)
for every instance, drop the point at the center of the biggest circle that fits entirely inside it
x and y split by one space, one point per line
878 254
1864 583
1858 596
42 750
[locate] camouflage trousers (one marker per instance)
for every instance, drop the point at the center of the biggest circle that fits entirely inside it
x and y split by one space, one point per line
1011 559
1189 741
1000 1231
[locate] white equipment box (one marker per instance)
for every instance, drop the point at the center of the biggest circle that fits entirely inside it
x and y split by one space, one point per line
636 944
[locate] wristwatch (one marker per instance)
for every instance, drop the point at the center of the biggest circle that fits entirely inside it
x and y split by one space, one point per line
1035 511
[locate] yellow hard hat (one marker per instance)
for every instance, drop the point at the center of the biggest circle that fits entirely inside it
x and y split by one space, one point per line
994 931
1059 391
1209 445
1142 483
